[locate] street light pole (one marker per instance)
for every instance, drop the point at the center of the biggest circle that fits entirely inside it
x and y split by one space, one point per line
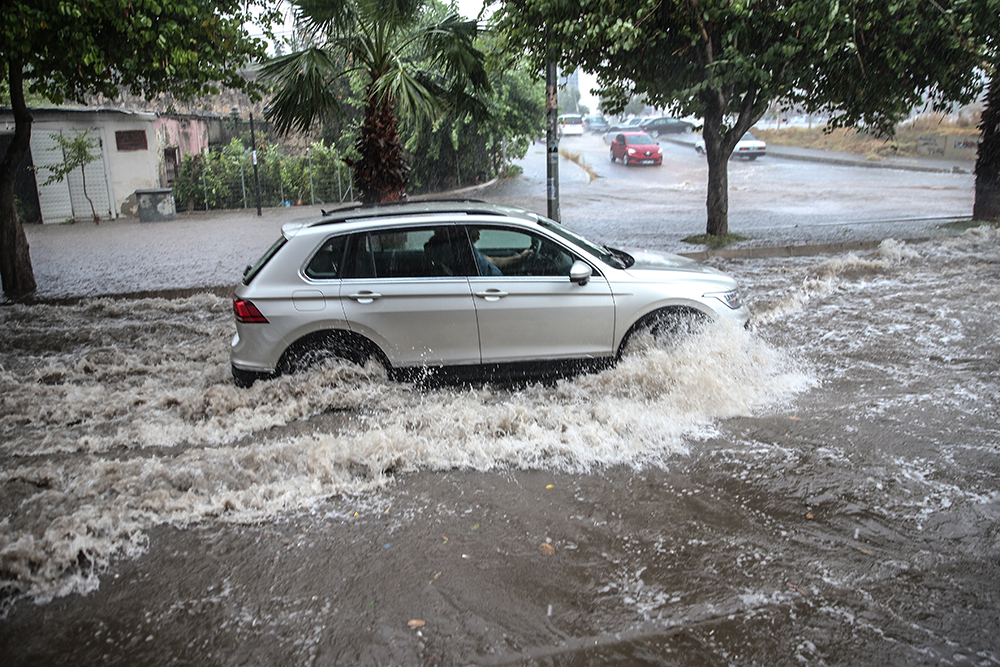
552 137
253 153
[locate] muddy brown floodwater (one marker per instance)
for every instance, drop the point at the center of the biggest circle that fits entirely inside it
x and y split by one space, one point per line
822 490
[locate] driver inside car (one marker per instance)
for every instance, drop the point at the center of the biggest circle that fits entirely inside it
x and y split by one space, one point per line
490 266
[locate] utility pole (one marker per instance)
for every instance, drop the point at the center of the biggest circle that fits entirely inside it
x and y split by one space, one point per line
552 137
253 153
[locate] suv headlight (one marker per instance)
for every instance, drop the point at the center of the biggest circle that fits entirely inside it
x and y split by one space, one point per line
731 298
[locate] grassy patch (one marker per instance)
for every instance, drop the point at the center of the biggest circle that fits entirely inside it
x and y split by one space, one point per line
713 241
852 141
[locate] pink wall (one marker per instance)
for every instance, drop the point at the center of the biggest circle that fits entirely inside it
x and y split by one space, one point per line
190 135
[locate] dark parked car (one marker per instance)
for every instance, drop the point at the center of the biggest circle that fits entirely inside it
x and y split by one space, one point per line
654 127
596 124
623 125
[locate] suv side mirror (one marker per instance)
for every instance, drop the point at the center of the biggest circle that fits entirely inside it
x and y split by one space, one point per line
580 273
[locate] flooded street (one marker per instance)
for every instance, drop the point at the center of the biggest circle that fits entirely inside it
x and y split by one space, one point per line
820 490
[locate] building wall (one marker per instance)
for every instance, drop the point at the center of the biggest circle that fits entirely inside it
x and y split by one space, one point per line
952 147
184 136
122 168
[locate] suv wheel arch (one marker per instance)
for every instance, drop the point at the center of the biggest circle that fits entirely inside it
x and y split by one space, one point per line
666 325
329 343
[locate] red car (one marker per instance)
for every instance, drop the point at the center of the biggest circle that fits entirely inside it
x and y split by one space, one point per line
636 148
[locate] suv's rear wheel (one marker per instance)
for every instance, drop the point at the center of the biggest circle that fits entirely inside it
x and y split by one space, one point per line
317 347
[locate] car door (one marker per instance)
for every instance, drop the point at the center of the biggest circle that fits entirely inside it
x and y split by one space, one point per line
527 307
406 289
618 146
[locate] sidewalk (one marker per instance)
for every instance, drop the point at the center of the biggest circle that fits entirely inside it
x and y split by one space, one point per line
922 163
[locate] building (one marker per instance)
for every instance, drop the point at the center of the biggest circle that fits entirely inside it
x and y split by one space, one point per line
138 151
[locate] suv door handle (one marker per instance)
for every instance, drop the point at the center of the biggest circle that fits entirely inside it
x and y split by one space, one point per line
365 296
492 294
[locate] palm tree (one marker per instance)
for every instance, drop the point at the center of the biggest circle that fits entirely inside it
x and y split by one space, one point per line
415 59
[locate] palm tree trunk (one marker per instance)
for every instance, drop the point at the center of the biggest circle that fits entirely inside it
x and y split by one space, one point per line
382 174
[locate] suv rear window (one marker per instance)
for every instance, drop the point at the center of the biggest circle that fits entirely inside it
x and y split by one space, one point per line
326 263
252 270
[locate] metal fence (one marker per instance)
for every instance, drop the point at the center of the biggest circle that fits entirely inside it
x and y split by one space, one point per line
226 179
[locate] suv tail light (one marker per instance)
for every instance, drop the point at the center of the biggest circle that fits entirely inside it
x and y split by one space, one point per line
247 313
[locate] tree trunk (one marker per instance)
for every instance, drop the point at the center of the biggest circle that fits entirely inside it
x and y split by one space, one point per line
717 201
382 174
15 262
987 202
718 191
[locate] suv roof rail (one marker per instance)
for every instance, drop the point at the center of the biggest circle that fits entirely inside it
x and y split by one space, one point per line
420 207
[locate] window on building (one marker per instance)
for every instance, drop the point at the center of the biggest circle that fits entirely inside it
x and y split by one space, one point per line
131 140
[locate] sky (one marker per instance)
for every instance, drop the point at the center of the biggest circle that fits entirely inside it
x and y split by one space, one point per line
470 9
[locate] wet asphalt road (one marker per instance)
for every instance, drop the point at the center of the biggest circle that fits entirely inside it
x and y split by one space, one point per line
834 500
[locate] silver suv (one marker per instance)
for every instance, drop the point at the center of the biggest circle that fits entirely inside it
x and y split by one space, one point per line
463 287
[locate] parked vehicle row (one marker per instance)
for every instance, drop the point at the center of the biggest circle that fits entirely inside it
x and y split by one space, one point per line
633 141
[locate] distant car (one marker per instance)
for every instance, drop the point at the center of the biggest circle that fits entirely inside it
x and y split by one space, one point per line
636 148
467 288
595 124
570 125
654 127
748 147
630 124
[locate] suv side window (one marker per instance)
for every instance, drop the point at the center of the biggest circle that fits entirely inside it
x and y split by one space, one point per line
510 252
410 252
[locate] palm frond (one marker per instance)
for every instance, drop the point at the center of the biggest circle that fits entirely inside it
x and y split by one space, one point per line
413 92
305 89
450 44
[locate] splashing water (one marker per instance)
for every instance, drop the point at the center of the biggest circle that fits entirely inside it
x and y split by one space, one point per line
121 415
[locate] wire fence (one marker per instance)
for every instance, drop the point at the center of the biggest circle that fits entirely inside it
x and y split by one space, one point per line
227 178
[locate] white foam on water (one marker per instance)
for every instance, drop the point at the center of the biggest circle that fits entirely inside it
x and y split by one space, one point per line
126 418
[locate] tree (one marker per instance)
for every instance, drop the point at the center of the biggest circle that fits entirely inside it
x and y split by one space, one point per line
457 149
868 62
77 154
987 203
413 57
65 49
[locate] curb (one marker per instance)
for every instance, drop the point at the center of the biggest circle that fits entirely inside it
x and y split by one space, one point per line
866 164
776 152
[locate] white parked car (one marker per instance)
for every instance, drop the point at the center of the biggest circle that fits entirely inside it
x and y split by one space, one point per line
570 125
747 147
463 287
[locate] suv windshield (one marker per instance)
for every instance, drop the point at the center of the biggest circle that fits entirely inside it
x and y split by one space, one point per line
615 258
